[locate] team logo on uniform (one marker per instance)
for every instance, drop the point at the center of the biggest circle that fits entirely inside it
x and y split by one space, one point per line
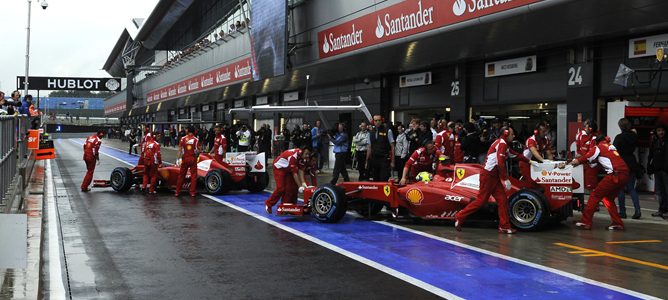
460 173
189 147
414 196
386 190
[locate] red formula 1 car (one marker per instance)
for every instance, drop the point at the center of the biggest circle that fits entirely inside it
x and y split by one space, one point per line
449 192
246 172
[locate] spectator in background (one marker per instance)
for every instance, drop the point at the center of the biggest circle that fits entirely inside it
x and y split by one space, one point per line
413 136
626 144
657 165
25 105
361 141
132 138
473 144
306 139
316 142
295 137
400 150
237 25
341 150
286 138
432 127
244 138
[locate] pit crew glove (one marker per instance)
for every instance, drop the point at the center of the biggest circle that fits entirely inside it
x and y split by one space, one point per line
507 185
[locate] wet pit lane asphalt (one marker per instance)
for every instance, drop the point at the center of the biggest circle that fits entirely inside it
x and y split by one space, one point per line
139 246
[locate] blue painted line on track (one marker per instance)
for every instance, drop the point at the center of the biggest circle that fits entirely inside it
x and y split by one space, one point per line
461 271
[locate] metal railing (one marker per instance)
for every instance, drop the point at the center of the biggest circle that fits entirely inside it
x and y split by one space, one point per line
13 152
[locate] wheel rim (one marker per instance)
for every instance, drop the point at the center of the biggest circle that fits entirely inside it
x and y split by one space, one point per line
524 211
323 203
116 179
212 183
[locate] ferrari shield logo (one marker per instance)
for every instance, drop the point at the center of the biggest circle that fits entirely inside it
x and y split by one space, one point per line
460 173
386 190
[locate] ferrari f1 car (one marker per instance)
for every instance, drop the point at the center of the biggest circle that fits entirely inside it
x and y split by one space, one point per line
531 206
238 171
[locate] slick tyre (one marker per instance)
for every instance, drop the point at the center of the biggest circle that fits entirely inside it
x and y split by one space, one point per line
328 204
217 182
256 182
528 210
121 179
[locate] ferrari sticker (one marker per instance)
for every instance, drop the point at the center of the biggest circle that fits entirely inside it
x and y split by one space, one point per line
386 190
414 196
460 173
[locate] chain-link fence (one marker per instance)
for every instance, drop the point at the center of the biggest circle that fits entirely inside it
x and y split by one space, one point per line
13 153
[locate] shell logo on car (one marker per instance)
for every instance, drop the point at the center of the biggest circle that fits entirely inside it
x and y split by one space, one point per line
414 196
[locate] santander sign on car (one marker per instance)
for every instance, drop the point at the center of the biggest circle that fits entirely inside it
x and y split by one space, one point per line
404 19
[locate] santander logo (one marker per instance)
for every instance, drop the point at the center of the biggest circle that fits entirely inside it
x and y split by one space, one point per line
411 21
343 41
380 30
459 8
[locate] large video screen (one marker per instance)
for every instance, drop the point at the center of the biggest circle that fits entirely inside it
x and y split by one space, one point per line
268 37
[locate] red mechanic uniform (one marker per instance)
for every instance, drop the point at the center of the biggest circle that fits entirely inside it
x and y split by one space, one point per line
189 145
458 152
219 146
91 154
152 159
445 143
584 142
286 164
491 178
542 145
617 175
421 161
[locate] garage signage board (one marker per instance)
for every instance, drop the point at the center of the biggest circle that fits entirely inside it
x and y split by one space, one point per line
404 19
646 46
50 83
417 79
511 66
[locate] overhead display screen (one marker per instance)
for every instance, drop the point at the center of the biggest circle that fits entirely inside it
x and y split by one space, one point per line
268 37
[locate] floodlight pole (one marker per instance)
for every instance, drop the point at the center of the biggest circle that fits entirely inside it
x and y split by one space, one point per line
25 83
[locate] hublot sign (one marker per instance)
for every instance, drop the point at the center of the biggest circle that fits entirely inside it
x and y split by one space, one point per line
70 83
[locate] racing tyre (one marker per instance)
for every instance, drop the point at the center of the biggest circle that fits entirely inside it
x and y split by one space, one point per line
257 181
121 179
217 182
369 209
328 203
528 210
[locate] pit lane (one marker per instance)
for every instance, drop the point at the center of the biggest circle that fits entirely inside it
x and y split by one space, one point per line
516 264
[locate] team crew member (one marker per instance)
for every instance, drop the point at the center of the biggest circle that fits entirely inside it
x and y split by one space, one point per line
219 145
537 147
617 175
380 151
289 176
494 181
445 139
422 160
91 150
152 160
188 153
361 141
584 141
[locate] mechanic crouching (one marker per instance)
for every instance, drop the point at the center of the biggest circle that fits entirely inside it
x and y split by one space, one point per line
152 160
188 153
289 176
91 155
494 181
422 160
617 175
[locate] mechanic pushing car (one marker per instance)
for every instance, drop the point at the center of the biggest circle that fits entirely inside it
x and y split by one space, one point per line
152 160
91 155
422 160
617 175
219 145
380 150
537 147
493 181
445 139
289 176
584 141
188 153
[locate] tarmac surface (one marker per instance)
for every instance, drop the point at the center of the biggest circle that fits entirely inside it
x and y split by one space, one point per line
139 246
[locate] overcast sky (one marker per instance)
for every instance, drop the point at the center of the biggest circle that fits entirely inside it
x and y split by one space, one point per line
69 38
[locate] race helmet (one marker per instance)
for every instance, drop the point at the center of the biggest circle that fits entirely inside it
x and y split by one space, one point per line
424 177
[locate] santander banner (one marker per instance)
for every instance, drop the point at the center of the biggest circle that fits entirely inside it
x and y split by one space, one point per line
404 19
234 72
119 107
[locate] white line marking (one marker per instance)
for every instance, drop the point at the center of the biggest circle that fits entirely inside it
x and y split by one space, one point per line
370 263
522 262
407 278
56 285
